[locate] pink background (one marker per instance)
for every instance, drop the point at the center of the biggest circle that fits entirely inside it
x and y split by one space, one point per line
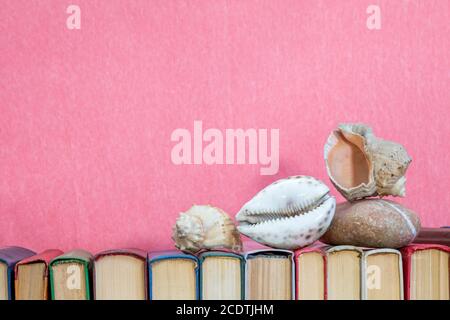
86 115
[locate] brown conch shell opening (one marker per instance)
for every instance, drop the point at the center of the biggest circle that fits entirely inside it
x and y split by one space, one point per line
361 165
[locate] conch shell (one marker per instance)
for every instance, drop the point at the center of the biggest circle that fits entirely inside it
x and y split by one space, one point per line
361 165
288 214
205 227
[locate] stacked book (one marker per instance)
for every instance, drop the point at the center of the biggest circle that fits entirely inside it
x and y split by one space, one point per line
418 271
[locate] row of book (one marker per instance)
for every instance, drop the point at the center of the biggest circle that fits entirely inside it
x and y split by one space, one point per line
419 271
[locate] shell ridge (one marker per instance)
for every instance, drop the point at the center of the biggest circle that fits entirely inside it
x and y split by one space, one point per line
278 218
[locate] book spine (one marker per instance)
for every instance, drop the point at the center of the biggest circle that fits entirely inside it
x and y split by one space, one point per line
10 280
170 255
364 271
87 278
297 270
406 261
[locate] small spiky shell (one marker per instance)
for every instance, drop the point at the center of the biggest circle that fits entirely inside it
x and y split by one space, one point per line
361 165
205 227
288 214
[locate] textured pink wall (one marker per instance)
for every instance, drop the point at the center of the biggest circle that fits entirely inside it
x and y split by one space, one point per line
86 115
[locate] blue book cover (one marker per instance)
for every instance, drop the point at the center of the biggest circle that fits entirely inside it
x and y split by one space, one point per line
10 256
154 257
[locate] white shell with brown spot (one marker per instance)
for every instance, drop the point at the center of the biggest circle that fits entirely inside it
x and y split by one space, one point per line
289 213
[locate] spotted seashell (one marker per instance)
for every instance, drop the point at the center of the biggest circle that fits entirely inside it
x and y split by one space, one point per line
288 214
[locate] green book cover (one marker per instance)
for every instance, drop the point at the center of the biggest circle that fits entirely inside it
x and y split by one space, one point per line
82 278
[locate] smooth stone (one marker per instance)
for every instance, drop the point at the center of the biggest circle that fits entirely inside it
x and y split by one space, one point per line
373 223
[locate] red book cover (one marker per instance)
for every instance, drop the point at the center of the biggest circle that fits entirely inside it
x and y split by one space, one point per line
319 248
44 257
407 252
138 253
133 252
